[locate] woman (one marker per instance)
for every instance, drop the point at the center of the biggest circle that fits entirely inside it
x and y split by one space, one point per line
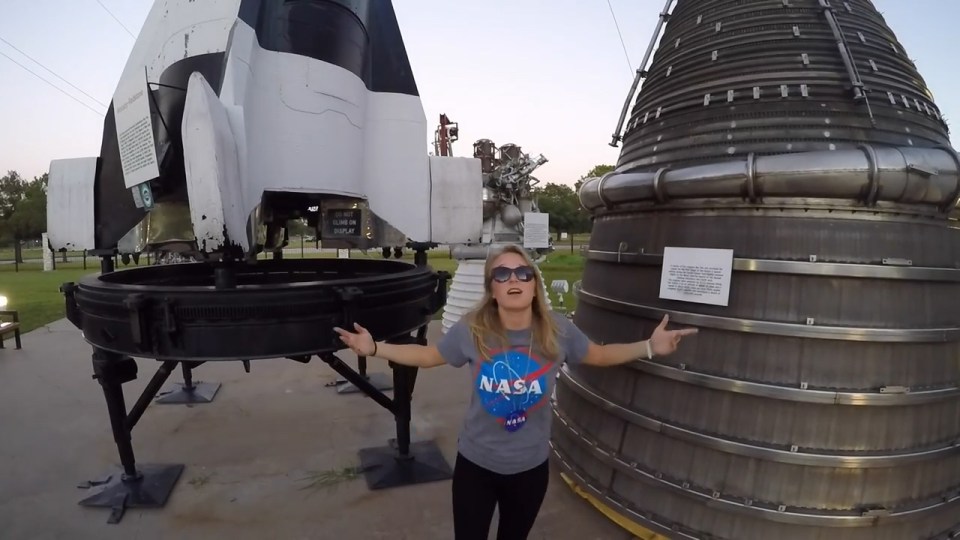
514 345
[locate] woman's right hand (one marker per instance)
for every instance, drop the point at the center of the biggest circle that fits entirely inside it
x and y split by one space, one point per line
360 342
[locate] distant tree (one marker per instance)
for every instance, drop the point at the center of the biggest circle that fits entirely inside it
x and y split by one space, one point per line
298 227
599 170
561 202
583 217
11 191
23 209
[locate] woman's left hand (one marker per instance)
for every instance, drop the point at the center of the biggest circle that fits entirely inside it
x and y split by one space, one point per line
663 341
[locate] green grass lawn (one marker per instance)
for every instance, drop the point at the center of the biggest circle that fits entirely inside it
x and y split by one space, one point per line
36 294
6 253
565 266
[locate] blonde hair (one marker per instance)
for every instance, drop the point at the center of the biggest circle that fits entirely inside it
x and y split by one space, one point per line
485 318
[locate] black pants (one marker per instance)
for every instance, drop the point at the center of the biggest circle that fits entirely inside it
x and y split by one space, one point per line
476 491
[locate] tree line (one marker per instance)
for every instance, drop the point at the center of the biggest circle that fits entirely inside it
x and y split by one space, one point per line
563 204
23 209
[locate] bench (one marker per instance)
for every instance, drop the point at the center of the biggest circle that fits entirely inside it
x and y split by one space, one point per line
6 327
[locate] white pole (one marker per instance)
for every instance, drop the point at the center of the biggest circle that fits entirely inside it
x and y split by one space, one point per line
47 254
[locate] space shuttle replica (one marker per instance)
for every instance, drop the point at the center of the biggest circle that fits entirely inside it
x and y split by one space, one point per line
232 117
786 184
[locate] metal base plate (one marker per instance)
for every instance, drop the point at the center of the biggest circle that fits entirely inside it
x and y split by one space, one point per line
384 469
202 392
151 491
381 381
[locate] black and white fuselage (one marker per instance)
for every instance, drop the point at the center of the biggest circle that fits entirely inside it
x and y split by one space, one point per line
252 97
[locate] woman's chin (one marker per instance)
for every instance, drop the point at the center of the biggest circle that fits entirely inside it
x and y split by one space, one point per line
515 303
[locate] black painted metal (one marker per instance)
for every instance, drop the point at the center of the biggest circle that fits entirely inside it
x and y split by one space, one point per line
189 392
349 374
177 312
162 374
151 490
145 486
361 36
402 462
390 298
380 381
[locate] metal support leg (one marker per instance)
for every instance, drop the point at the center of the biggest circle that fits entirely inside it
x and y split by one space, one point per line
146 486
189 392
380 381
403 462
402 375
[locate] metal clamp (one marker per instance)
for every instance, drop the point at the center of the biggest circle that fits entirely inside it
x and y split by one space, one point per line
348 309
752 177
620 249
955 198
603 200
873 174
658 188
139 320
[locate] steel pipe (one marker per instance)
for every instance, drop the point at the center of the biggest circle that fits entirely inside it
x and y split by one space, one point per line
922 176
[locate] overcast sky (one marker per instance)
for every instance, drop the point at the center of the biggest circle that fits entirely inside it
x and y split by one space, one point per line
549 75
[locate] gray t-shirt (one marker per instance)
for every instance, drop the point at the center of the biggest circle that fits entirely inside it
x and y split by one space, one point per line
507 426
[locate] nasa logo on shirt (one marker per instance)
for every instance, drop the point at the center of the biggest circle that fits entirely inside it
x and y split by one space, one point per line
515 420
510 385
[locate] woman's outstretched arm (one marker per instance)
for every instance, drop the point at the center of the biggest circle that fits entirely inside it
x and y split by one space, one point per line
362 344
661 343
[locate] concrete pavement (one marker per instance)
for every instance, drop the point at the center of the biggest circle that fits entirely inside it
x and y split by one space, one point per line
255 458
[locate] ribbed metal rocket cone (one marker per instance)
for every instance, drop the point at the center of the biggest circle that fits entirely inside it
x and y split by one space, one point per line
822 401
466 291
467 288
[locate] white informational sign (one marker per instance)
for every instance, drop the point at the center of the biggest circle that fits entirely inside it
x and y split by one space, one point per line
343 253
138 151
697 275
536 230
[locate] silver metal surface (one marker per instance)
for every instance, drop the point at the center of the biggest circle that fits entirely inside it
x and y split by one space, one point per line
849 460
826 269
861 176
884 396
775 328
853 517
821 399
616 502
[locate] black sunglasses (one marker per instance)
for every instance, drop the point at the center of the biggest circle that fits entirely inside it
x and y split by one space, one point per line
501 274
